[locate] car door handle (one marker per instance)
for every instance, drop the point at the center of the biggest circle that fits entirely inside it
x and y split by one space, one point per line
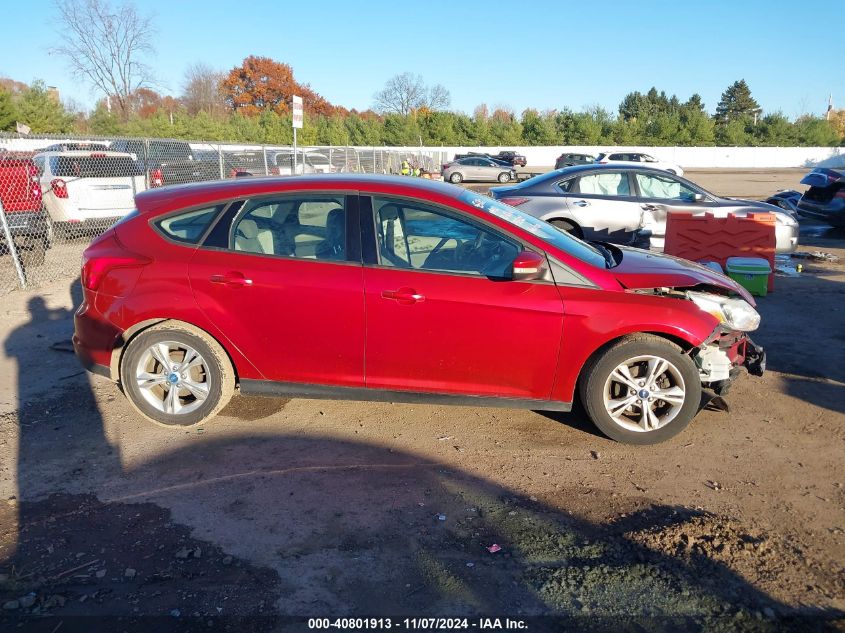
406 296
233 280
581 203
650 207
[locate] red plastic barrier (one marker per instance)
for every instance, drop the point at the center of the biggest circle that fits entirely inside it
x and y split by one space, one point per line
711 238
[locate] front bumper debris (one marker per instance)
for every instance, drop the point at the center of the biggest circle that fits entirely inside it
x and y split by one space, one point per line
720 362
755 358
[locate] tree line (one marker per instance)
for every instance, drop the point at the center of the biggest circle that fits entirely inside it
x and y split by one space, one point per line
106 44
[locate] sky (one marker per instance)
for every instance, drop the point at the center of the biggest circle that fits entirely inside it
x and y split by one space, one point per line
543 55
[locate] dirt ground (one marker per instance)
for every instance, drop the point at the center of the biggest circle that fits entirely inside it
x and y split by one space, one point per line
297 507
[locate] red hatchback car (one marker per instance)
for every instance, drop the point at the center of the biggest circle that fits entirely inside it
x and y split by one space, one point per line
396 289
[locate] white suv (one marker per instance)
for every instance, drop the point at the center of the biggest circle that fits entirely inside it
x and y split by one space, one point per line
626 158
83 186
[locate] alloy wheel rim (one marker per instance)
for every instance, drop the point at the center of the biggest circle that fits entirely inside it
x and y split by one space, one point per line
644 393
172 377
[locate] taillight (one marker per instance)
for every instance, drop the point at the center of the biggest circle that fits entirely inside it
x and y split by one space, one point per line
105 256
59 188
514 202
156 178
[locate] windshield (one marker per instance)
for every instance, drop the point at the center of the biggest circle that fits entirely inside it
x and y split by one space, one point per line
545 231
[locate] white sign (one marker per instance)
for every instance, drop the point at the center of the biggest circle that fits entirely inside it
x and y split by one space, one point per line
297 112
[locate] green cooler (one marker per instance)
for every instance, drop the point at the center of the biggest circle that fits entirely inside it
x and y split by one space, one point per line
752 273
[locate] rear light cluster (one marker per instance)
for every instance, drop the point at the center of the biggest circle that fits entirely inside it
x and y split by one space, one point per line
59 188
514 202
156 178
105 256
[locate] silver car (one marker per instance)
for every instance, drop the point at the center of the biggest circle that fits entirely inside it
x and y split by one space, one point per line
477 168
621 204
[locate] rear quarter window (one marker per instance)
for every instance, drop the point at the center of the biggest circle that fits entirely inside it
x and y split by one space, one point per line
188 227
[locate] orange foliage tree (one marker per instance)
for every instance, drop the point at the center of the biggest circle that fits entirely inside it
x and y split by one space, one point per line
261 84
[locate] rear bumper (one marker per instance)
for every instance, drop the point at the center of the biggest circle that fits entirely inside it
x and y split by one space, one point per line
94 339
28 223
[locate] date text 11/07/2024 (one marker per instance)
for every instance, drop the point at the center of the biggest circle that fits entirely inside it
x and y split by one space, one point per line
434 624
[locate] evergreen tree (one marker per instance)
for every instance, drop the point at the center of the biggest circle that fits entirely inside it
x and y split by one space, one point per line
42 112
737 103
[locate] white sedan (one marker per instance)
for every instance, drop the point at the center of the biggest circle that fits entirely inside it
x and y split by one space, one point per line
626 158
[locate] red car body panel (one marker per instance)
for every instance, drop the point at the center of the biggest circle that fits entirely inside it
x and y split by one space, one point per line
343 324
466 335
297 320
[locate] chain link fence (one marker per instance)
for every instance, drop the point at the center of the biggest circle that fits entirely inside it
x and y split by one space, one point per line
59 193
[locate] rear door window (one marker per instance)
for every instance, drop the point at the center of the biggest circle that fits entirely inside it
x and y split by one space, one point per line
613 184
302 226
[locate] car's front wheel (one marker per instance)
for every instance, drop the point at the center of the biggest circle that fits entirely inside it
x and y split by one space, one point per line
504 177
456 177
641 390
176 375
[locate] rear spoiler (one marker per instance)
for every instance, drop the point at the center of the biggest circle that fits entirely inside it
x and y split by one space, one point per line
822 177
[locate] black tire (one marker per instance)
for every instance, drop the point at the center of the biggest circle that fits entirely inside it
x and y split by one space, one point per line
218 375
569 227
504 177
598 369
456 178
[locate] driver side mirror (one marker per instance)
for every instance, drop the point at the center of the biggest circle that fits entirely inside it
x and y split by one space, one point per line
528 266
698 197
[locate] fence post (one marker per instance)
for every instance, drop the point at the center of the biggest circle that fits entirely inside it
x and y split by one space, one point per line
13 251
264 152
220 160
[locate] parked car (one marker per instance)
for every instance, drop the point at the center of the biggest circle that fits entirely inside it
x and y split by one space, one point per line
498 161
825 199
85 146
622 203
477 168
610 158
168 162
286 286
20 193
307 162
568 160
785 199
84 188
511 157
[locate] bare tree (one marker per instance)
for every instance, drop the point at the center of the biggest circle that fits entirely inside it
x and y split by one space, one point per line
405 93
201 90
438 98
106 44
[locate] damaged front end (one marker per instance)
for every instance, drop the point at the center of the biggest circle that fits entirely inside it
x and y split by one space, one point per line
722 356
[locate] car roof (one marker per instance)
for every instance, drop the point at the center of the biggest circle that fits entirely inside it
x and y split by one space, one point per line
179 196
107 153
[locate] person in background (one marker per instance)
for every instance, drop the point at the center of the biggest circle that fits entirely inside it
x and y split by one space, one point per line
406 168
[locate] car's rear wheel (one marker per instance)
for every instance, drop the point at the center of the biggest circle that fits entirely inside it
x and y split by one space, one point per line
456 177
569 227
641 390
176 375
504 177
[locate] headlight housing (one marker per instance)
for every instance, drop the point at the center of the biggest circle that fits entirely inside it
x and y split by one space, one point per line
732 312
